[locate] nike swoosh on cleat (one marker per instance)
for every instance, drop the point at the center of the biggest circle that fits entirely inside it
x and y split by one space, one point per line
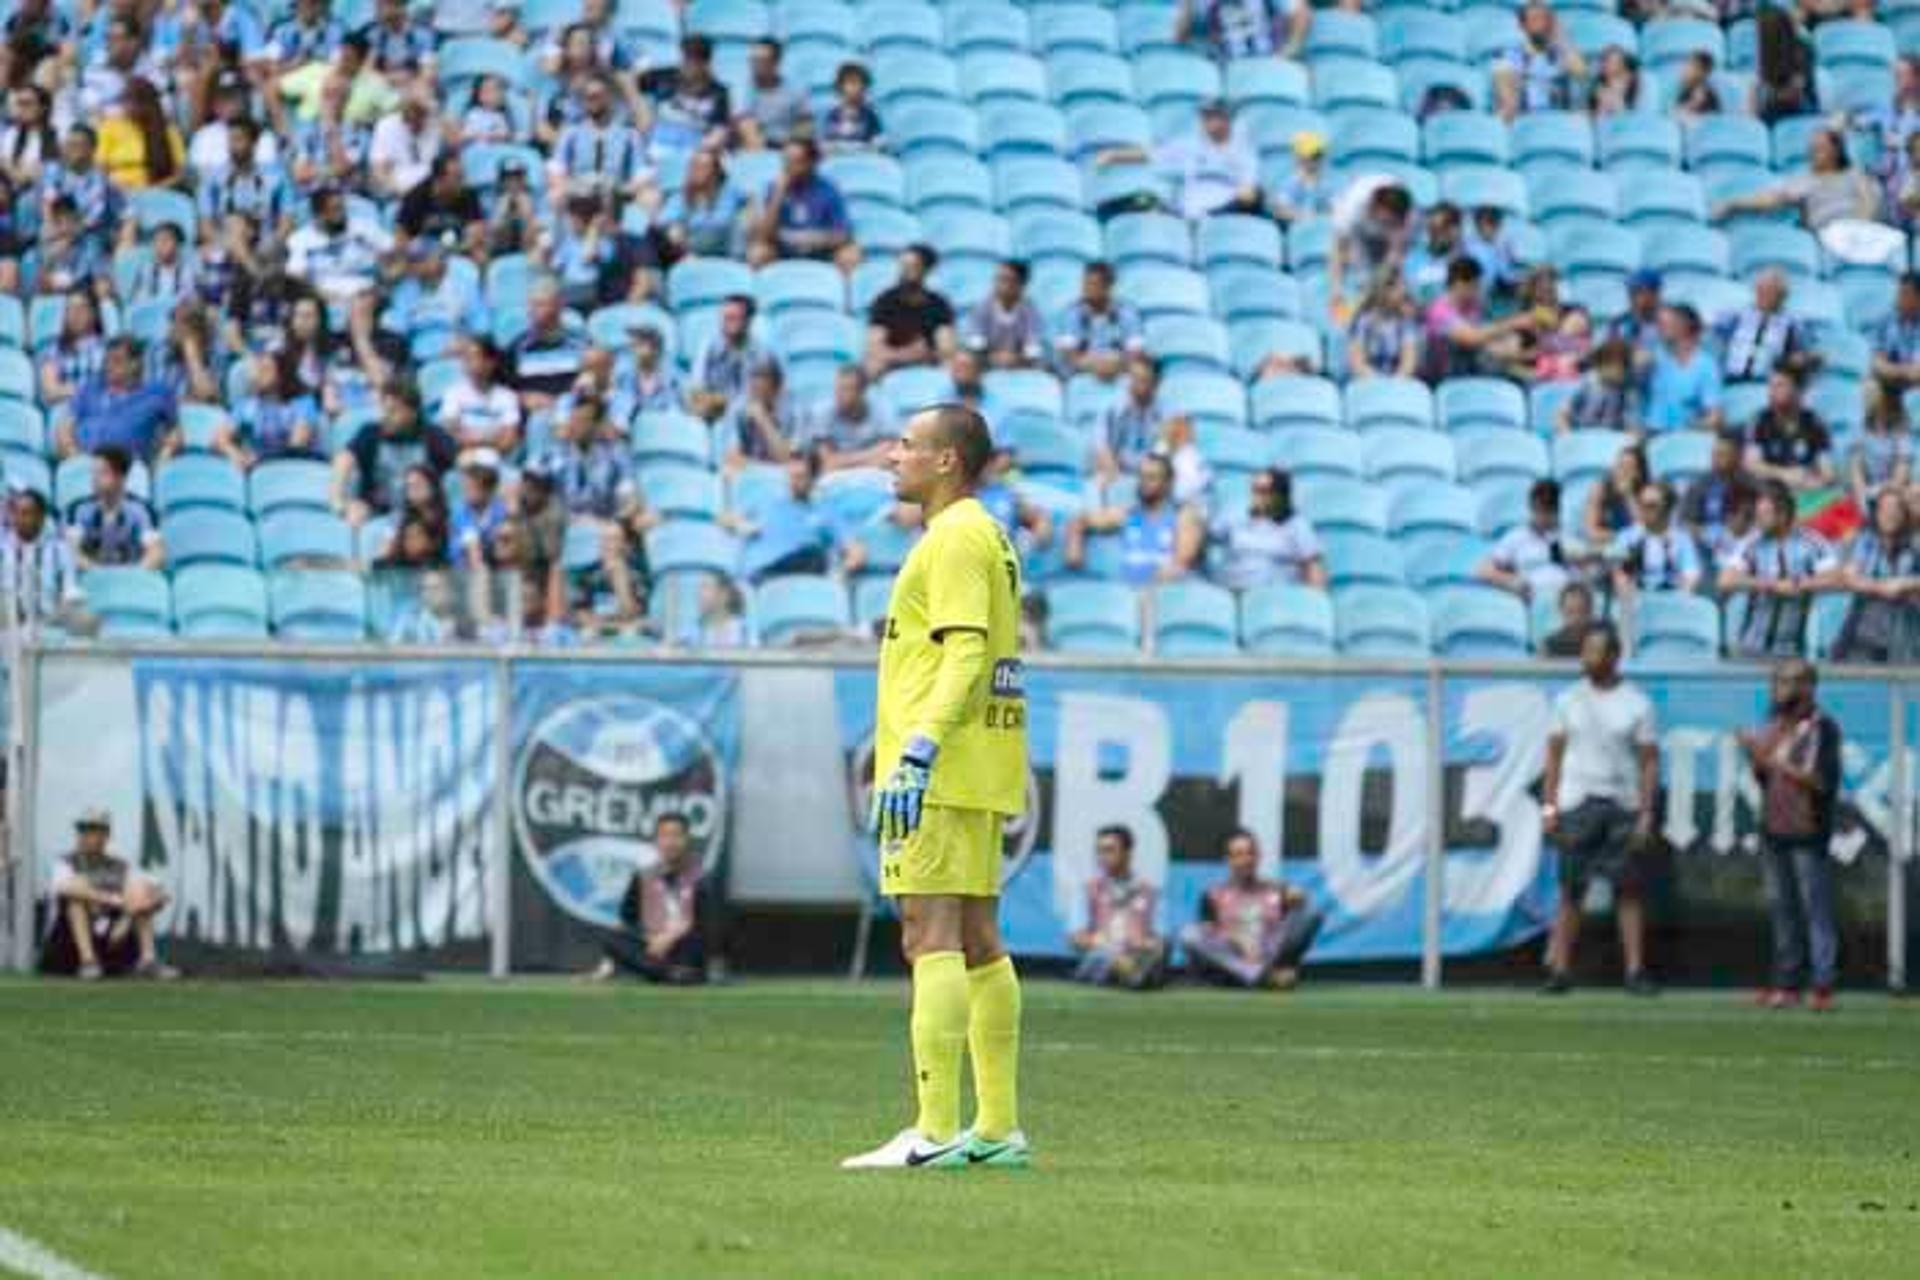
917 1158
981 1157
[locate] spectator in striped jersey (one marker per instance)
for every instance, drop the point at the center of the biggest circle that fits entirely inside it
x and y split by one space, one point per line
111 526
168 273
246 186
600 154
1778 574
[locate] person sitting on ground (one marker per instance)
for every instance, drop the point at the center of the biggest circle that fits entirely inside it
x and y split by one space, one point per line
103 911
1119 943
666 914
1252 932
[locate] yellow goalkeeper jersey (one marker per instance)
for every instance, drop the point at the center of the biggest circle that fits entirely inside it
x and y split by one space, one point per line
964 573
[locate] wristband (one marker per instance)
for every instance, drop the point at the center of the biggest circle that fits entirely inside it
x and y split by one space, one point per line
920 750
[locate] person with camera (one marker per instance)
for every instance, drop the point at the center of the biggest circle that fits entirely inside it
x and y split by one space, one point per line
1597 803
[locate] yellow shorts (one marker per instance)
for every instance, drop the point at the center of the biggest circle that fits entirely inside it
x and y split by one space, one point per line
955 851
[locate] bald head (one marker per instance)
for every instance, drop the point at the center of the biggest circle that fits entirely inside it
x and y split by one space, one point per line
964 431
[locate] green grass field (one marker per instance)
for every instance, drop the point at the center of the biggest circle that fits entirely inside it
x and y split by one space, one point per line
460 1129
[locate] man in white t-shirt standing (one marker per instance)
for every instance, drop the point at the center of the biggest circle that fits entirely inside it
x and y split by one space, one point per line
1597 804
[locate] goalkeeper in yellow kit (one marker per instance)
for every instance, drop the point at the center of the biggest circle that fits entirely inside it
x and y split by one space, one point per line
950 764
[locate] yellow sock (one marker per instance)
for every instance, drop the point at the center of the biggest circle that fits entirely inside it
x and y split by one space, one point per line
939 1038
993 1039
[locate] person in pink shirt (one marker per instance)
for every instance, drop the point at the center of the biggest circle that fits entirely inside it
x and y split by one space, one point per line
1251 932
1120 944
1460 340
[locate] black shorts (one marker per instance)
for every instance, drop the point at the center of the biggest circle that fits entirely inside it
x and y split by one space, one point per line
1596 839
59 956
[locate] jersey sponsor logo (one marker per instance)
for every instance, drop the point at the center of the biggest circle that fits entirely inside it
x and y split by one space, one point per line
1009 678
592 781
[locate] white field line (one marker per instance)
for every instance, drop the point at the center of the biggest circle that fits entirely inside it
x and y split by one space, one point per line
1317 1052
27 1257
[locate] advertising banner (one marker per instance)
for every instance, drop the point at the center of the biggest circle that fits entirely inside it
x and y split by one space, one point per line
600 752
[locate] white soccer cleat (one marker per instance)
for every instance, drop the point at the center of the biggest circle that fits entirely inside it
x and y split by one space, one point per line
911 1149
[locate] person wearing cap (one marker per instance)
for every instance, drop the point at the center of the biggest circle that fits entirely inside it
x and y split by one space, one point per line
1304 193
1244 28
721 369
645 381
104 909
1097 332
369 473
1214 170
480 411
475 521
852 429
909 323
850 123
1639 327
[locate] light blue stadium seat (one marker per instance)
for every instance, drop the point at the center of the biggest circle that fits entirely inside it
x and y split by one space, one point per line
297 534
692 546
901 26
1790 136
1664 45
1309 243
913 388
1443 557
939 181
1378 404
1245 292
1680 456
1552 136
1145 27
1592 32
1586 455
1854 87
1357 556
1238 239
1478 622
1634 138
1308 452
1035 182
1427 508
1502 504
72 479
729 21
1295 400
998 75
1093 127
1477 186
22 428
462 61
1722 140
1662 198
798 608
1148 238
1254 340
1381 622
1338 34
1848 43
798 284
1371 135
1230 449
16 374
1742 402
701 282
1337 83
289 483
1045 450
1161 290
827 21
679 491
318 605
1466 404
154 207
865 175
1674 626
44 314
130 603
883 230
1824 621
1561 193
1204 396
902 76
1583 249
220 602
754 485
1193 619
1188 342
1031 391
1685 250
1332 503
1396 454
1868 298
985 24
925 127
1501 455
1286 620
198 480
13 316
1272 127
1080 76
1174 78
1092 617
1796 252
1420 32
1022 129
671 436
1464 137
1419 77
26 471
886 543
1058 28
